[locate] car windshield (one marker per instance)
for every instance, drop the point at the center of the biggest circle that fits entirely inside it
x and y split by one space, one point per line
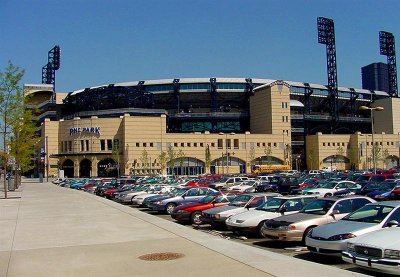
241 200
207 199
373 213
272 205
177 191
319 207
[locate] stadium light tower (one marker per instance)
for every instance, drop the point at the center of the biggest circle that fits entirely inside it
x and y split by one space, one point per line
387 48
53 64
326 35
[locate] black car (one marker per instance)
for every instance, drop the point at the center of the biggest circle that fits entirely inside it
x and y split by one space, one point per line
284 185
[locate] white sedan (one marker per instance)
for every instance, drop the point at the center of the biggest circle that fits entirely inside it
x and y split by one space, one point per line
378 251
252 220
328 189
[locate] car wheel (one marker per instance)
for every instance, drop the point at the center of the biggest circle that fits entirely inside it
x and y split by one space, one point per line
328 195
260 225
303 241
196 218
169 208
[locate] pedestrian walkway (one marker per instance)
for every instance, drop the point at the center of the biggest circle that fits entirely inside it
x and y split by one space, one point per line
48 230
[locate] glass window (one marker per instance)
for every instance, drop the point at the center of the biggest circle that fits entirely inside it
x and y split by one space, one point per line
395 215
109 144
82 145
343 206
293 205
220 144
70 146
103 145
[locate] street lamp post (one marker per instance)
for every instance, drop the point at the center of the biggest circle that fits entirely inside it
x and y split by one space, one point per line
226 150
371 109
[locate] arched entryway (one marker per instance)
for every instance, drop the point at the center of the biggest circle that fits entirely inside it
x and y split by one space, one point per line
338 162
265 160
107 168
185 166
85 168
68 167
227 164
391 161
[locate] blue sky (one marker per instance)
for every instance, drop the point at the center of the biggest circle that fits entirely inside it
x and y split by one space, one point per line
117 41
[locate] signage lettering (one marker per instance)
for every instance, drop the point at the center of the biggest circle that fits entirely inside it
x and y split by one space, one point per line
79 130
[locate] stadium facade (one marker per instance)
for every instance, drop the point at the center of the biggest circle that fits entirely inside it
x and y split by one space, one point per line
218 125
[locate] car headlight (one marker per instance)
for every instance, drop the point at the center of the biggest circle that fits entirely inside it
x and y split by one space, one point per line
342 236
158 203
217 216
350 246
392 254
181 212
240 221
287 228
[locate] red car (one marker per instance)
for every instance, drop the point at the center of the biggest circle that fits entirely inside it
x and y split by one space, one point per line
191 212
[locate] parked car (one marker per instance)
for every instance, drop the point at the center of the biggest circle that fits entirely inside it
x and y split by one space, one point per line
227 182
244 202
192 211
158 190
327 189
377 251
187 195
321 211
251 221
332 238
283 185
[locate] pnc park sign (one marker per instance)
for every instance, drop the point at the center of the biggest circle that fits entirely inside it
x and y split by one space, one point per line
84 130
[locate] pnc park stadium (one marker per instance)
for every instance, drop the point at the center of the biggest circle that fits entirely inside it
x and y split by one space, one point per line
219 125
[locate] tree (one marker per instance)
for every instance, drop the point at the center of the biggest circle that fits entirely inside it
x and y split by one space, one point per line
180 156
207 158
144 159
267 152
171 154
116 154
11 99
162 157
23 142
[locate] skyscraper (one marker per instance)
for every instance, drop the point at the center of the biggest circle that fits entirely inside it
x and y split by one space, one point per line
375 77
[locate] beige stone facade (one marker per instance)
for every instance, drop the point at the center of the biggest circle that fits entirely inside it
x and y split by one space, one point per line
94 146
353 151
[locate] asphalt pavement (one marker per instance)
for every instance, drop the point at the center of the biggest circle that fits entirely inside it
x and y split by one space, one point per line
47 230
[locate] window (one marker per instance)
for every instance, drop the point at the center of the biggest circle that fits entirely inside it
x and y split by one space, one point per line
144 144
274 144
236 144
283 118
195 144
287 118
188 144
175 144
103 145
87 145
228 143
212 144
82 145
137 144
182 144
201 144
283 105
109 144
69 146
323 144
343 206
220 144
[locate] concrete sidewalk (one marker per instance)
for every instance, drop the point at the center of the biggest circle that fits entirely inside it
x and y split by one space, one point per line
47 230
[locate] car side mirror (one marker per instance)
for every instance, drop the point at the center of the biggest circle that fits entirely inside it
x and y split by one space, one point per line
393 223
282 210
183 196
335 212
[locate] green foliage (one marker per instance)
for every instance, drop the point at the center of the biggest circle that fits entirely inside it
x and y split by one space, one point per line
207 157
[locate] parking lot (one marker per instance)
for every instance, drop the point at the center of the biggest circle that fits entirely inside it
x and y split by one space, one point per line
292 249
